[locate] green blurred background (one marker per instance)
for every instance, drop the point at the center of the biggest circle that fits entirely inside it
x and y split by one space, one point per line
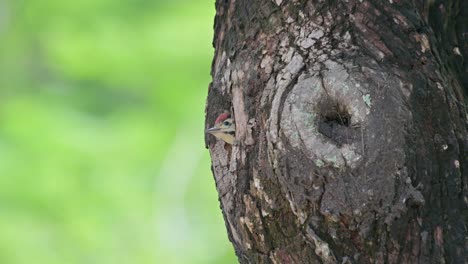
102 157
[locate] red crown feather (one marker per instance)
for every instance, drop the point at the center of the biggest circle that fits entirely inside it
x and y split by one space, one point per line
222 117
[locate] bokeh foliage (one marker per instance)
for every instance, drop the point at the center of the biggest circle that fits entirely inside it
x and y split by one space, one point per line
102 157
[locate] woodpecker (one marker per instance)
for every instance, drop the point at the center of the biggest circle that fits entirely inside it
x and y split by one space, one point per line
224 128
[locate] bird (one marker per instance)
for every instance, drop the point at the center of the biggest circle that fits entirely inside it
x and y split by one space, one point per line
224 128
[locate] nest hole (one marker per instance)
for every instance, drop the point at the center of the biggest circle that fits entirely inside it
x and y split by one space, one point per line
341 119
334 121
333 112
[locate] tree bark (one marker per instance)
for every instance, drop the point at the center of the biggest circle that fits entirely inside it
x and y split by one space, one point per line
351 125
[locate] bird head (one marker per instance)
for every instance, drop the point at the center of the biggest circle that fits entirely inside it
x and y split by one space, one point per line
224 128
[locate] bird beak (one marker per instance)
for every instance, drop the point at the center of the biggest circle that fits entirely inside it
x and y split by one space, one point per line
212 130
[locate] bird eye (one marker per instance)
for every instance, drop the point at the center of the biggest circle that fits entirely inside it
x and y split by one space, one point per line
226 123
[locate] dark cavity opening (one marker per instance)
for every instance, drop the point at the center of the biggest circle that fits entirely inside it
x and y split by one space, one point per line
342 119
335 121
334 113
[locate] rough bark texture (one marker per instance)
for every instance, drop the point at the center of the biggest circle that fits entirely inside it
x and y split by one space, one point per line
351 128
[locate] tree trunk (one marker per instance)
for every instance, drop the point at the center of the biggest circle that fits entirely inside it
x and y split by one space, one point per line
351 127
